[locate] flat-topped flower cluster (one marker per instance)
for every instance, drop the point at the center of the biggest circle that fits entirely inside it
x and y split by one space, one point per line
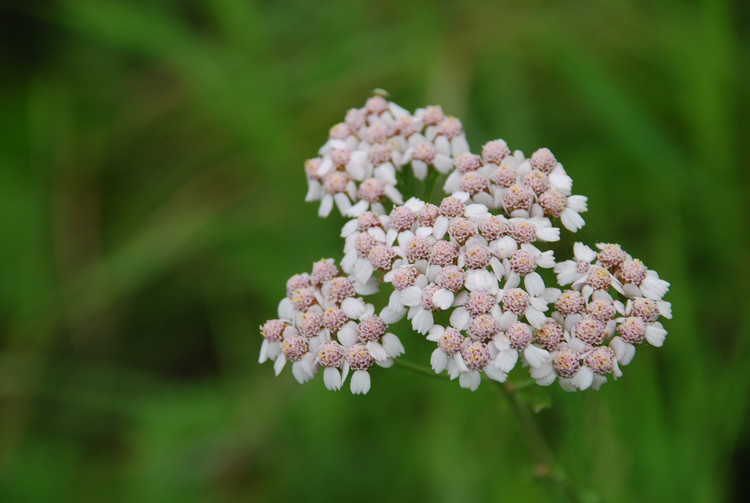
468 272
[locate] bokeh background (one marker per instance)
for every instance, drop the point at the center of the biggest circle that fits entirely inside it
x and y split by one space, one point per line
151 188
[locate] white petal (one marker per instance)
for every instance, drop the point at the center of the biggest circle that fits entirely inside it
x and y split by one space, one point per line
560 181
397 110
377 233
438 360
356 167
353 307
535 317
348 335
460 318
495 374
624 351
484 199
377 351
567 385
653 287
546 260
513 280
301 371
325 166
583 378
470 380
440 227
314 191
542 372
285 310
536 356
423 232
630 290
443 145
392 315
278 365
456 365
534 284
362 271
394 301
655 334
506 360
461 196
263 351
566 272
501 342
497 267
546 379
550 295
404 238
386 364
332 378
411 296
349 228
369 287
436 332
414 204
572 220
420 169
477 212
506 246
443 299
393 194
598 381
422 321
390 236
326 205
578 203
358 209
665 309
507 319
453 182
387 173
548 234
392 345
360 382
443 163
343 203
583 252
459 145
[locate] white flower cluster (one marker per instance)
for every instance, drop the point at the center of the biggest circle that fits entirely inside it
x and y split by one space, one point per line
324 323
357 166
467 272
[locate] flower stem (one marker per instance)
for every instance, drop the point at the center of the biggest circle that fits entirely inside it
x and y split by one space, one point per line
546 468
429 185
546 465
399 362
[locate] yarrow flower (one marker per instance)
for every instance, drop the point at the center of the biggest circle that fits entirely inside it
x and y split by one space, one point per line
469 270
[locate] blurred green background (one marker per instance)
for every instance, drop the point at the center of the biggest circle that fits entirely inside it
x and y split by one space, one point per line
151 187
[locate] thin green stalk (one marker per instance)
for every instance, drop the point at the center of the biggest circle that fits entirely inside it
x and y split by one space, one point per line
429 184
413 367
547 468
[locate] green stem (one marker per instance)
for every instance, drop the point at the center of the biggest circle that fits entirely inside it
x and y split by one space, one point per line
417 369
429 185
547 467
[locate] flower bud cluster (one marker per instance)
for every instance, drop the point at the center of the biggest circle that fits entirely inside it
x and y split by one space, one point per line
521 187
324 323
467 271
613 305
357 167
